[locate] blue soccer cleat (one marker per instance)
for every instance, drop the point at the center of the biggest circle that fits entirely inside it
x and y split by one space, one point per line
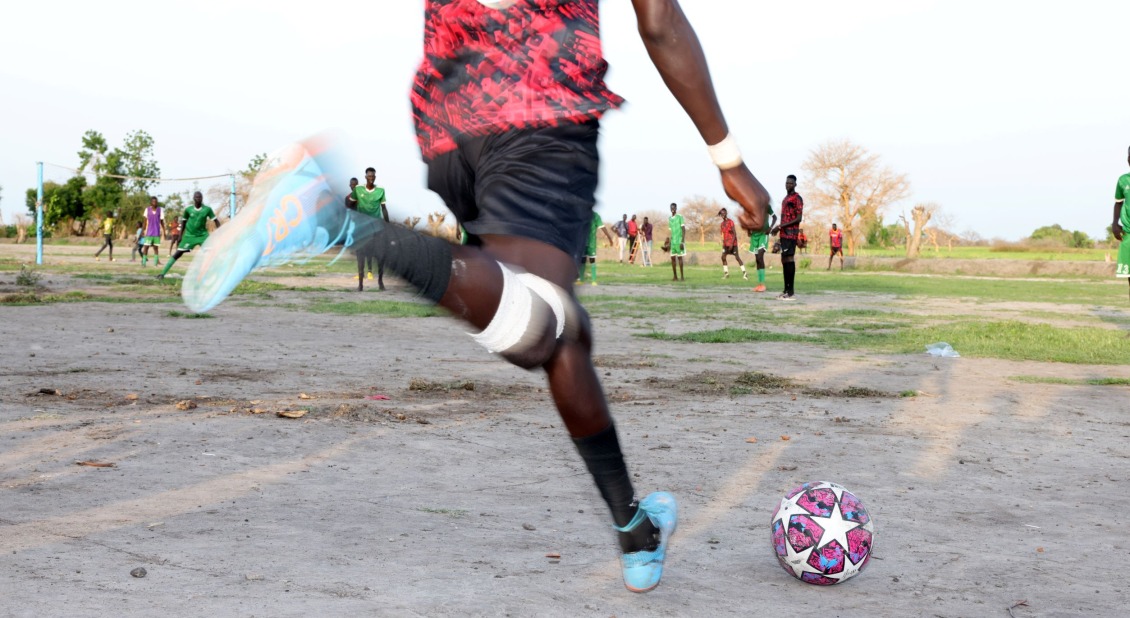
293 213
642 569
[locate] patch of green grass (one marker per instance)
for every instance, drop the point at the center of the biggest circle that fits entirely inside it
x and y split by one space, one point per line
726 335
250 286
1010 340
189 315
908 394
387 308
1072 381
95 276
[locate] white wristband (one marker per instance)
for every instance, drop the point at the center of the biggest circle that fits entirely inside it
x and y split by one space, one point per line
726 154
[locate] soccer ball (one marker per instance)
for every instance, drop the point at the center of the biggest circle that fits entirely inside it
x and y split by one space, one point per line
822 534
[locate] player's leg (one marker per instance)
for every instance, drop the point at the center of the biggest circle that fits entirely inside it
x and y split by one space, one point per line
674 269
788 266
759 258
741 264
169 264
573 382
360 271
682 275
156 244
725 266
380 275
831 256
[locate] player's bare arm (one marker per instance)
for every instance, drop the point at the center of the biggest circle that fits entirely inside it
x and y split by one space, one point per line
1116 227
675 51
607 235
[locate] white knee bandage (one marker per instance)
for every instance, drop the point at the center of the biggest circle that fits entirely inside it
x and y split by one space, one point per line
520 312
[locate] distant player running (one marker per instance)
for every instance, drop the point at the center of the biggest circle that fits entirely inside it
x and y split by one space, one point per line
836 240
730 245
759 245
1122 222
590 247
154 220
194 222
675 240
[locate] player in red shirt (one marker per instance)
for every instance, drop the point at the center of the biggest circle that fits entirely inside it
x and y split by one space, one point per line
507 104
836 240
792 213
730 245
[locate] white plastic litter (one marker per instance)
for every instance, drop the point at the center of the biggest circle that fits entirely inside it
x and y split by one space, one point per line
942 349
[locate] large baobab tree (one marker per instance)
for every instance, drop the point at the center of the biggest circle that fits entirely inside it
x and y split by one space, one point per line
853 184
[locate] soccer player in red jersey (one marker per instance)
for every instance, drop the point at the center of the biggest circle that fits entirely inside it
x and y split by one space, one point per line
730 245
792 213
507 104
836 240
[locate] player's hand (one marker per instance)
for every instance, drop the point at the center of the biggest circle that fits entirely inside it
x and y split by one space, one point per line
743 188
1116 229
773 232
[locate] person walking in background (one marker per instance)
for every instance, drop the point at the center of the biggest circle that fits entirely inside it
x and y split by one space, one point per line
137 243
621 229
676 241
370 200
107 236
633 236
173 233
645 239
154 221
730 245
590 247
1121 222
836 241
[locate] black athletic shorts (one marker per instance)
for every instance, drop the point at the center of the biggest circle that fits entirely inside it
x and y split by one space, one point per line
788 246
533 183
836 250
730 251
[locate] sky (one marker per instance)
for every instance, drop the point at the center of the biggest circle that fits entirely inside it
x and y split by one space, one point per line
1010 115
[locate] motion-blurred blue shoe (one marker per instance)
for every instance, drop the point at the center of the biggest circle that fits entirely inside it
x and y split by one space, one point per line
642 569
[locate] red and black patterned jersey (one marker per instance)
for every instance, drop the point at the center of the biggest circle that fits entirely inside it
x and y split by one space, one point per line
729 235
537 63
792 207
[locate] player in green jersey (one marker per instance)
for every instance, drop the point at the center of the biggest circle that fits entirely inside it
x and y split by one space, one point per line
1122 222
370 200
194 226
676 241
590 248
758 245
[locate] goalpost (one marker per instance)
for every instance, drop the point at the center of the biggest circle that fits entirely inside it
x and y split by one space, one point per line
39 206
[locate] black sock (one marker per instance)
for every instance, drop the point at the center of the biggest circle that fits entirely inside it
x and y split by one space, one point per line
602 455
790 276
424 261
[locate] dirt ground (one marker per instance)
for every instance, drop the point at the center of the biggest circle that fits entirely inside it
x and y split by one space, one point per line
428 478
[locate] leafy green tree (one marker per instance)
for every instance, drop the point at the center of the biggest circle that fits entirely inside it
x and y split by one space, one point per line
1080 240
93 153
61 203
139 162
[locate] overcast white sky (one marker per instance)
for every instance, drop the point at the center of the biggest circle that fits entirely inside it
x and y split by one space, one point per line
1010 114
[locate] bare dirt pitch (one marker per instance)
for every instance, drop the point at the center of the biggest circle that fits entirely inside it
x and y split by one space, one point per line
460 494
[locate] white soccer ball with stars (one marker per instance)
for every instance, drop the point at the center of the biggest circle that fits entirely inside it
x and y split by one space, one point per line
822 534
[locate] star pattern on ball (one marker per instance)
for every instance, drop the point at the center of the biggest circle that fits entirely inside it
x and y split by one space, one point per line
835 527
